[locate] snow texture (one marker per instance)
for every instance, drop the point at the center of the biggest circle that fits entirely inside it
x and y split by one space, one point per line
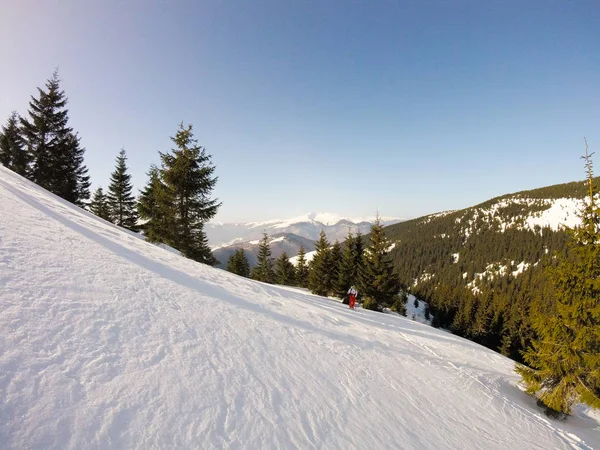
107 341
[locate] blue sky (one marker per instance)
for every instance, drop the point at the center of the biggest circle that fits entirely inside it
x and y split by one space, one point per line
406 107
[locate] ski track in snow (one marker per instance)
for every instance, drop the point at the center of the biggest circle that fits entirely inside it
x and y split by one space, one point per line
107 341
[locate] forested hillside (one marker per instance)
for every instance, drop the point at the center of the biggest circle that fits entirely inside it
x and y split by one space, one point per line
481 268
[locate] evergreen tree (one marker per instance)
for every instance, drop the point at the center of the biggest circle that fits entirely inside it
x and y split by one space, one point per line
319 278
264 270
155 225
187 175
564 360
238 263
99 205
359 250
347 270
120 199
54 149
285 272
335 259
301 269
379 281
12 152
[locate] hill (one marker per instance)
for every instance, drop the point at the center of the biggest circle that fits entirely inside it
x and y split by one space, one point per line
482 268
278 243
308 226
107 341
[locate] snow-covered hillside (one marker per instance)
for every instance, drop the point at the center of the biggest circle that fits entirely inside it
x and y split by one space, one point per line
107 341
308 226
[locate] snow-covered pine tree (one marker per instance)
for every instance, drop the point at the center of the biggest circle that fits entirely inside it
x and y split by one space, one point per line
187 174
121 201
238 263
319 278
379 281
264 269
564 359
13 154
301 269
285 272
99 204
55 151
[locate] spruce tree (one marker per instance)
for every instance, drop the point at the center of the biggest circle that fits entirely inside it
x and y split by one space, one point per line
347 270
238 263
264 270
120 198
150 208
187 175
319 278
13 155
335 260
564 359
99 205
359 250
301 269
379 280
54 149
72 181
285 272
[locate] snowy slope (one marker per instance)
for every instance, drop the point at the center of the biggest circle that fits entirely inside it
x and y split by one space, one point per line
107 341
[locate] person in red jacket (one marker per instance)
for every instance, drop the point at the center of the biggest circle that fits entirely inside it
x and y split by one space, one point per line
352 293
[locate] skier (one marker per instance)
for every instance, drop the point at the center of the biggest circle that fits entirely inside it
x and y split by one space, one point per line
352 293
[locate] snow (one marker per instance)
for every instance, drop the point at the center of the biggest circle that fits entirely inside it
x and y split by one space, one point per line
278 239
107 341
455 257
307 257
327 219
562 212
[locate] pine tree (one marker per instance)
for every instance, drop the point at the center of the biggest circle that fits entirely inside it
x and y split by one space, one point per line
120 198
301 269
54 149
379 281
264 270
347 270
564 360
99 205
319 278
238 263
155 225
359 250
285 272
187 174
12 152
335 259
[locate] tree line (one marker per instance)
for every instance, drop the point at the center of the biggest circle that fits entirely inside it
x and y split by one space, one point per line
363 263
171 209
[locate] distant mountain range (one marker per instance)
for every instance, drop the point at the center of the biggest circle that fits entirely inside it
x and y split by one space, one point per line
285 235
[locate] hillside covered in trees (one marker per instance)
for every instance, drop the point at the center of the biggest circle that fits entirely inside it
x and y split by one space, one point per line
481 269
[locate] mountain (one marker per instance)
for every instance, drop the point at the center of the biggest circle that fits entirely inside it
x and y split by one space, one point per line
278 243
308 226
107 341
482 268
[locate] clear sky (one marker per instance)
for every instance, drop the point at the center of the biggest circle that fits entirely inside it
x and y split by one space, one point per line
406 107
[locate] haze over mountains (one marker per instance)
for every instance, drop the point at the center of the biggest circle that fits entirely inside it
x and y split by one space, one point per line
284 235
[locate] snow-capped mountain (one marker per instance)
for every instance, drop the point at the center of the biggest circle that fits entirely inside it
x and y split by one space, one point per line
278 243
307 226
107 341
